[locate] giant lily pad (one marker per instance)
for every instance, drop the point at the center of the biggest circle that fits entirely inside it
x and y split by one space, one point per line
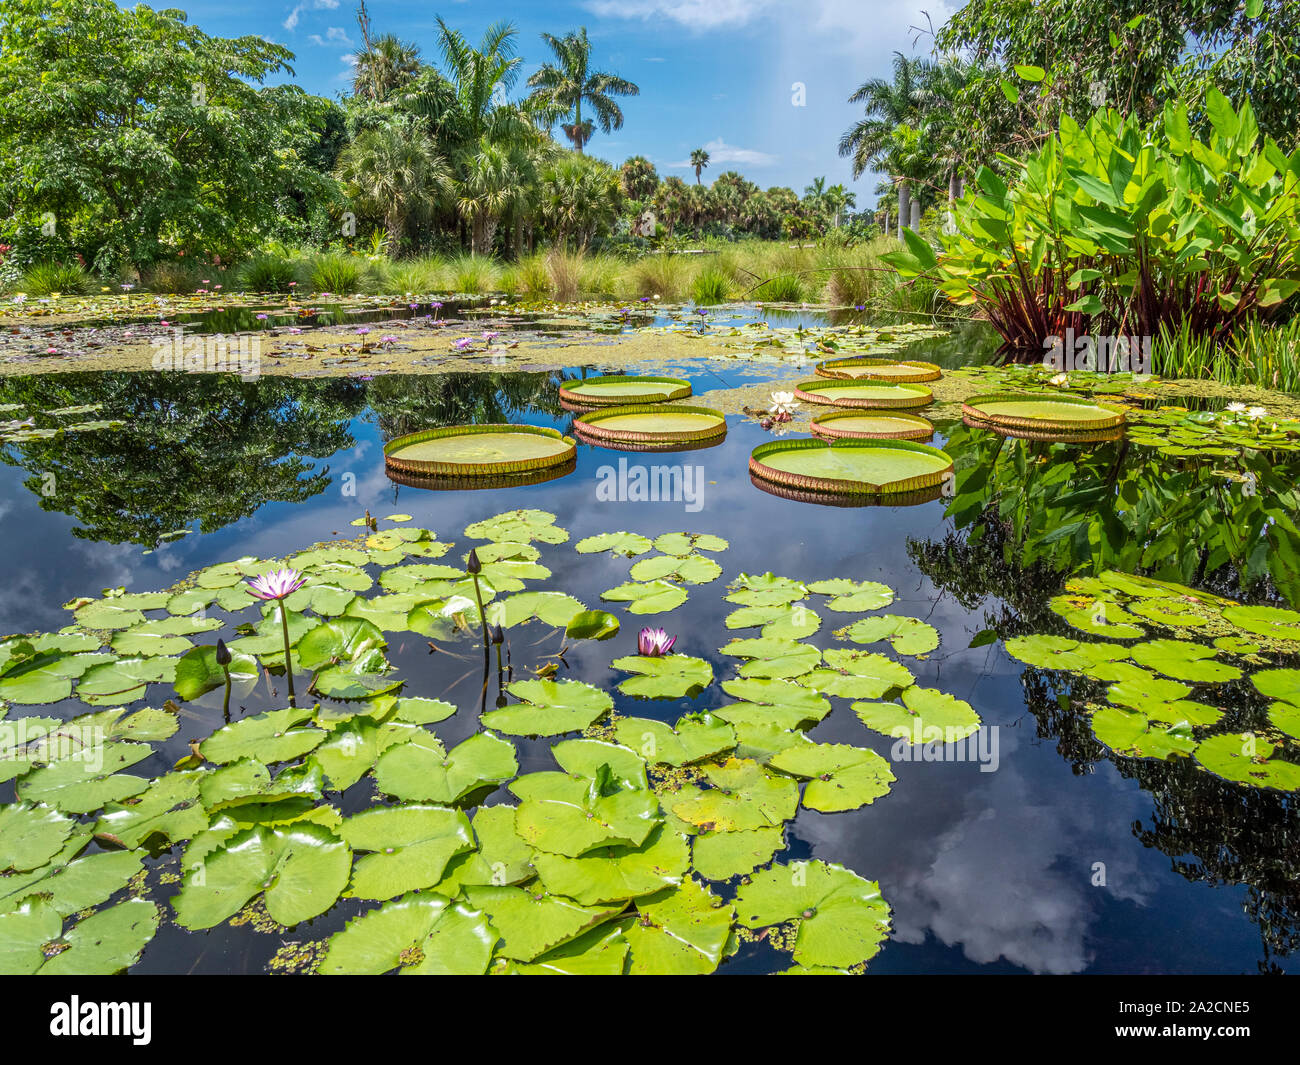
618 391
850 393
478 451
877 468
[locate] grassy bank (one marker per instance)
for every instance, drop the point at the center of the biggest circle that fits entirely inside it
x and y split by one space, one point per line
765 271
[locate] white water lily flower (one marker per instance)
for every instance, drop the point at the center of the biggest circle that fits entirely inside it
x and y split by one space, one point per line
1255 413
1059 379
783 403
1235 408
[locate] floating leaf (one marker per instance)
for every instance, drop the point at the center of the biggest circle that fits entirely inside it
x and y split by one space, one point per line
1183 660
780 703
551 608
926 716
610 874
664 676
744 795
302 868
550 708
1273 622
722 855
682 931
694 738
197 672
765 590
840 918
531 921
1247 759
852 596
274 736
840 776
693 569
592 625
649 597
87 781
1131 732
421 934
682 544
30 835
909 636
623 544
521 526
772 658
421 771
169 807
410 847
567 815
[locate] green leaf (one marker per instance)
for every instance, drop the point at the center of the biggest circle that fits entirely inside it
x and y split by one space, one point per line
421 771
550 708
722 855
410 847
664 676
909 636
274 736
852 596
197 672
592 625
622 544
647 597
840 776
694 738
615 873
562 814
840 918
743 795
302 868
531 922
30 835
420 934
682 931
926 716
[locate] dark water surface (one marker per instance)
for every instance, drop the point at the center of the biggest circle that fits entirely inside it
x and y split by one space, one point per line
992 871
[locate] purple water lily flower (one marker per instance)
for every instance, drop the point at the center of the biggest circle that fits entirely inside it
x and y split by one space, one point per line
277 584
262 317
489 337
654 643
463 344
363 330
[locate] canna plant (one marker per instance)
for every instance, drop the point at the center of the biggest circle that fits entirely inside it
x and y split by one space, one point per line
1116 229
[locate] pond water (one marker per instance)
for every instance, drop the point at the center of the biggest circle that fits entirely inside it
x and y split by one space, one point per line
1054 856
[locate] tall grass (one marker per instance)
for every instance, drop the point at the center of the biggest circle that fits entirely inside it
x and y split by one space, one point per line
665 276
711 285
45 279
1267 356
335 273
268 271
472 274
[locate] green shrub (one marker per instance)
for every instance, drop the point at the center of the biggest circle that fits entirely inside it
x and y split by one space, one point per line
1117 228
784 288
45 279
565 271
415 276
268 271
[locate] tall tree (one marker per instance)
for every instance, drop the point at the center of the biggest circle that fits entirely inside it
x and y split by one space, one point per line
699 160
886 106
570 82
395 172
384 66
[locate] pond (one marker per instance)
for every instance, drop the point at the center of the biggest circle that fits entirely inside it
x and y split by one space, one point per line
1031 846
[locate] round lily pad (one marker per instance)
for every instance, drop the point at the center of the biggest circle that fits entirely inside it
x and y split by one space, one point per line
479 451
1059 413
617 391
871 425
842 393
850 467
892 370
646 423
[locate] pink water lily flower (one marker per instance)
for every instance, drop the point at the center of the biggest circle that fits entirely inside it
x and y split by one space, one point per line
654 643
277 584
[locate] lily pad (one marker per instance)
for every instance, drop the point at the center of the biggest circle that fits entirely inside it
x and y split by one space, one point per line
1247 759
694 738
409 847
422 771
420 934
549 708
840 918
744 795
621 544
850 596
664 676
647 597
926 716
840 776
909 636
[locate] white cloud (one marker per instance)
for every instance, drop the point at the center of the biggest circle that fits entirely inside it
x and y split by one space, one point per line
333 34
694 14
722 152
843 23
295 15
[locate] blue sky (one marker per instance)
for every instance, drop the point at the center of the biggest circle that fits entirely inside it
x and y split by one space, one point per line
718 74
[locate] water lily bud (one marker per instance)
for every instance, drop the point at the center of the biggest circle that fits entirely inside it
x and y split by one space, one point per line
223 653
498 634
472 564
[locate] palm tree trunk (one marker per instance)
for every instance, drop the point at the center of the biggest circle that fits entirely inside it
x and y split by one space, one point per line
577 124
954 186
915 224
904 199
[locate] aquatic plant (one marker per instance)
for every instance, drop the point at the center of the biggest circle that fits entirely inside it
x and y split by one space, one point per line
653 642
52 278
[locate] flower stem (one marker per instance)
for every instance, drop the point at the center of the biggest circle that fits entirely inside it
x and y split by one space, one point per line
288 660
482 616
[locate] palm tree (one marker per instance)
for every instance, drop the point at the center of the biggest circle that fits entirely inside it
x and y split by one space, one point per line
836 198
567 85
699 160
889 104
394 171
383 66
481 77
639 178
